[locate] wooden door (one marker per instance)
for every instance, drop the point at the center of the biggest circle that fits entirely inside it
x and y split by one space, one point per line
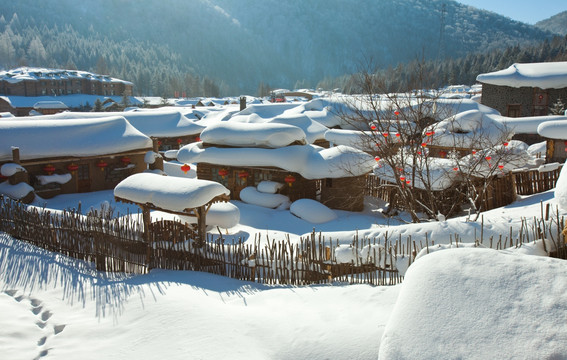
83 178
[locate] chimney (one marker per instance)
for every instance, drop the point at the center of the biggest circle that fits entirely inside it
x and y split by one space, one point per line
242 103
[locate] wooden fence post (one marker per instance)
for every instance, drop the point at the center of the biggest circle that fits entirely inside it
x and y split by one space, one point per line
147 236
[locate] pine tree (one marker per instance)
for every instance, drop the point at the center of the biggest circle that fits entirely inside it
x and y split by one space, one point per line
557 108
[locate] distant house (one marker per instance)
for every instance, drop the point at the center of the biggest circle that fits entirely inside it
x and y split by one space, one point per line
69 156
49 107
244 154
524 90
22 88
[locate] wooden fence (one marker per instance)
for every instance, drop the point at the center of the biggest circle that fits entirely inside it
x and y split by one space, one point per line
533 181
116 244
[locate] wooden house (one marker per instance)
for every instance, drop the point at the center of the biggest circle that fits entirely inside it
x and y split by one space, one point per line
525 89
69 156
555 133
243 154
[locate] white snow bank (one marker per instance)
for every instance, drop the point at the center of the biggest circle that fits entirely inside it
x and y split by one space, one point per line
548 75
58 138
561 189
168 192
17 191
539 148
10 169
481 304
252 134
251 195
151 157
55 178
310 161
312 211
269 187
221 214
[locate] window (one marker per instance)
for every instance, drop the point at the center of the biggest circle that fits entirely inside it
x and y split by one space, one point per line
514 110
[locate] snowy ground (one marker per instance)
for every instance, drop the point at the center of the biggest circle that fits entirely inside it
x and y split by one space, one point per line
60 308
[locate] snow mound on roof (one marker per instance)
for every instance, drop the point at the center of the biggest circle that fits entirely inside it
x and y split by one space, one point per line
269 187
10 169
168 192
310 161
251 195
252 134
556 129
528 124
18 191
503 306
469 129
221 214
312 211
549 75
78 137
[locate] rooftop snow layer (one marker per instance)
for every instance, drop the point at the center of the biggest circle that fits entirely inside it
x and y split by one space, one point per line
271 135
80 137
556 129
549 75
168 192
310 161
35 74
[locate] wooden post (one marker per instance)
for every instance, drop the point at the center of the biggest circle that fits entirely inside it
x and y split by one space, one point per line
158 163
15 155
147 236
201 225
242 103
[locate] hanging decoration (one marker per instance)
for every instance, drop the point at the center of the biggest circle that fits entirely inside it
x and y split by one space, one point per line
243 175
179 141
185 168
290 179
372 127
49 169
101 165
125 160
72 167
223 172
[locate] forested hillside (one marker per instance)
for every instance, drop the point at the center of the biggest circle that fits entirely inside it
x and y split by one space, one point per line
555 24
212 47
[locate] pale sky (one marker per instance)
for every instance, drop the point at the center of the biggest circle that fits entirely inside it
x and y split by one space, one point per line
528 11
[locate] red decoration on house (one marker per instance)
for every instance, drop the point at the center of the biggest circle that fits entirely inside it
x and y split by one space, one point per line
72 167
474 152
49 169
179 141
243 174
197 139
223 172
185 168
125 160
443 153
290 179
101 165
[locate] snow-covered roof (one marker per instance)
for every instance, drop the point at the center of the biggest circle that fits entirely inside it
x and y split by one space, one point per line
52 104
271 135
556 129
549 75
35 74
471 129
77 138
310 161
158 123
529 124
168 192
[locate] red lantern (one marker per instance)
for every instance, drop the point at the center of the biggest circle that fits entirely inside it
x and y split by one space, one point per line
101 165
243 175
402 178
488 158
373 127
456 168
179 141
125 160
443 153
397 134
223 172
423 144
377 158
501 167
474 152
185 168
385 134
49 169
408 182
72 167
290 179
396 113
505 143
197 139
